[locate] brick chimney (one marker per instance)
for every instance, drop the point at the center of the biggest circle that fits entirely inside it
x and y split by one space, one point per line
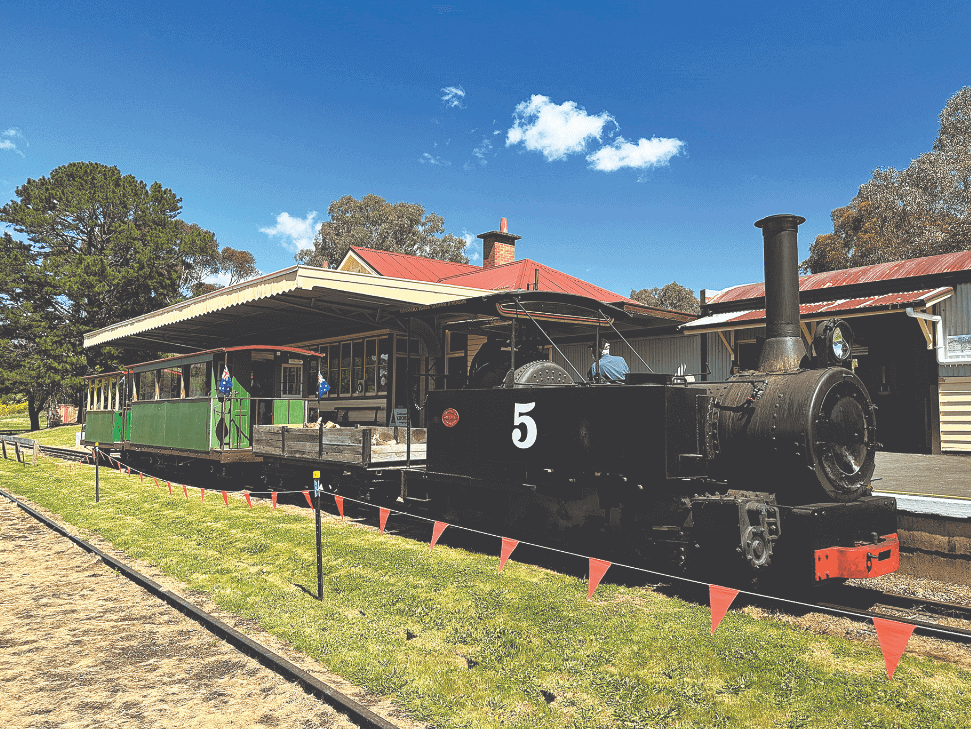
498 246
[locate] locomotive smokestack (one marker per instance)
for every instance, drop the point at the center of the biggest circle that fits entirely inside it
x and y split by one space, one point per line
783 349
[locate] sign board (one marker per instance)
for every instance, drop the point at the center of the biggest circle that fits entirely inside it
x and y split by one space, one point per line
959 346
400 418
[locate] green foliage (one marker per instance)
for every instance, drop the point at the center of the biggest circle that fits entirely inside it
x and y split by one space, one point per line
100 247
445 637
924 210
673 297
373 222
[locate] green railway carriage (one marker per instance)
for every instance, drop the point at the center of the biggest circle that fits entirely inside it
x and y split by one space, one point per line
171 410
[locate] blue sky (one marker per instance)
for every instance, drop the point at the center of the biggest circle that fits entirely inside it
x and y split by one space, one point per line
628 144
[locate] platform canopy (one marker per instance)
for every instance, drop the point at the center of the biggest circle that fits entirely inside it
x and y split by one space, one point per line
293 305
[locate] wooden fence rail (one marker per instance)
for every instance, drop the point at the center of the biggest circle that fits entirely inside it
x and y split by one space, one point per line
21 447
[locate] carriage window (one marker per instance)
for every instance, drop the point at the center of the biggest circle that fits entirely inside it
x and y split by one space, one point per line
292 385
200 379
146 385
170 384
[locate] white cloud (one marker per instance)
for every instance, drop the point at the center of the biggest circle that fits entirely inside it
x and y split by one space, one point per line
646 153
555 130
221 278
427 159
453 97
472 248
300 231
9 140
482 149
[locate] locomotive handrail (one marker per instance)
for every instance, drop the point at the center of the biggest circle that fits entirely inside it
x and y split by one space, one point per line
625 341
543 332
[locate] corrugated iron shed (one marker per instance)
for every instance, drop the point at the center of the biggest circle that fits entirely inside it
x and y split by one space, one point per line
909 269
822 310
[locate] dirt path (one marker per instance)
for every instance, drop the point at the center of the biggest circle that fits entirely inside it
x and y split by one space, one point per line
81 646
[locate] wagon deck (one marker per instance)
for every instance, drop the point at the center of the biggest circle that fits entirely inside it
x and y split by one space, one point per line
363 447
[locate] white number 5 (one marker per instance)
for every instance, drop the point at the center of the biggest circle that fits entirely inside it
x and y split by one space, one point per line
519 419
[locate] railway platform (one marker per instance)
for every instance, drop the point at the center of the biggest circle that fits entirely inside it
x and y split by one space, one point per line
933 512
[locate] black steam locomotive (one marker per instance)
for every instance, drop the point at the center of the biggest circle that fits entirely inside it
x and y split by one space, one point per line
766 474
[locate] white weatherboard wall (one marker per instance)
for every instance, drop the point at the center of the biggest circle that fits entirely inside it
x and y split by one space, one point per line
955 379
675 355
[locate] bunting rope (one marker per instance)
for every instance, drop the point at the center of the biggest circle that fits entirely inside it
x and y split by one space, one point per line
892 635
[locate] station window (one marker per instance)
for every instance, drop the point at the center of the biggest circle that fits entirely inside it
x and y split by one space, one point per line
292 383
359 367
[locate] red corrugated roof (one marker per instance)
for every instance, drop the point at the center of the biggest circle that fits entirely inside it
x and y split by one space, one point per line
899 300
515 275
518 274
944 263
415 268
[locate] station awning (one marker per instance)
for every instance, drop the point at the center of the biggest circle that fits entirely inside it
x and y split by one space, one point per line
296 304
822 310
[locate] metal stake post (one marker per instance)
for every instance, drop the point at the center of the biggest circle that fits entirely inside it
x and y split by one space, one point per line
320 559
97 483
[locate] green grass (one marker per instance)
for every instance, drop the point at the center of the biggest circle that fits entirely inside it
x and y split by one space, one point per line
486 646
61 436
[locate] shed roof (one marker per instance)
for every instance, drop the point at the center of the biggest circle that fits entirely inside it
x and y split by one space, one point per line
277 308
880 272
822 310
416 268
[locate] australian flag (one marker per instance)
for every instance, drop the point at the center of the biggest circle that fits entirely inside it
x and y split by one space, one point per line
226 383
322 387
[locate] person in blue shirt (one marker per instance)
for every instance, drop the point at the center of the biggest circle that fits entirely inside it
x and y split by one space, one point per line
610 368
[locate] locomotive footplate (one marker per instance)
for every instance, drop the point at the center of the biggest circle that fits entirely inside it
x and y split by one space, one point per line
852 540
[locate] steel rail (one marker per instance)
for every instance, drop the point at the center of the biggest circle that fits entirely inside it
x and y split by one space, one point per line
275 662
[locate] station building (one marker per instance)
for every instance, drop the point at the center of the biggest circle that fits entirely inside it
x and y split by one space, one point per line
357 319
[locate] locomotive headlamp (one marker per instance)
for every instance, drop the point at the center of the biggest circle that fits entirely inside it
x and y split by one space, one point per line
833 343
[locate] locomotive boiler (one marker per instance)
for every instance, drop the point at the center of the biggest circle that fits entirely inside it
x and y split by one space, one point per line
766 474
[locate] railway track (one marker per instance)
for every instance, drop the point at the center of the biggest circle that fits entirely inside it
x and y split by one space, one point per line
358 713
931 615
65 454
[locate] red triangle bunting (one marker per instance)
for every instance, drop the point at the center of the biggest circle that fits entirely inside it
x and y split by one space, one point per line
893 637
436 533
185 490
225 498
306 495
156 482
598 568
383 517
340 505
129 470
143 477
720 599
249 503
202 496
170 486
508 545
274 499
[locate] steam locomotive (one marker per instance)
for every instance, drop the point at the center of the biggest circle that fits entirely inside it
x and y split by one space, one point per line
766 474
